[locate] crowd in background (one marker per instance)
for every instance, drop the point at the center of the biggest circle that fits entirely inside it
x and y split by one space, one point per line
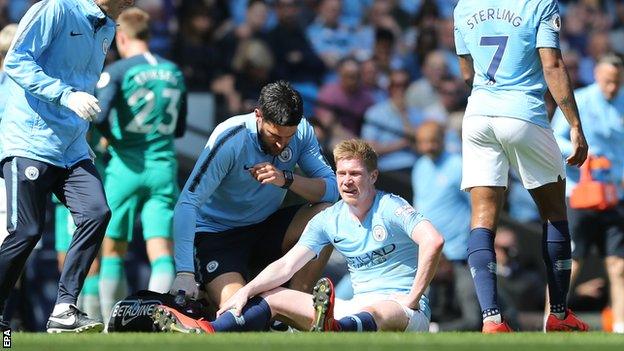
380 70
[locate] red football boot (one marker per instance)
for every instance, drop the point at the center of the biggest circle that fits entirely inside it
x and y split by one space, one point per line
323 301
490 327
569 324
172 320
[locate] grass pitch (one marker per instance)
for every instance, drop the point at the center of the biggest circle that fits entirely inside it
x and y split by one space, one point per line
318 342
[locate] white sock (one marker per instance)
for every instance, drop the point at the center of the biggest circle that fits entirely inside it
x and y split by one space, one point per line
161 282
497 318
111 291
60 308
618 328
560 315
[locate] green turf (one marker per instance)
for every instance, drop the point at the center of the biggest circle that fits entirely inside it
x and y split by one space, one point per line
319 342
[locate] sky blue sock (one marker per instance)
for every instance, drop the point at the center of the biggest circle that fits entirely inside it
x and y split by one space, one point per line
557 256
255 317
482 261
359 322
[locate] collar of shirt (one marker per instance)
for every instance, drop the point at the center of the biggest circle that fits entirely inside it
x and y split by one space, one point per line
97 17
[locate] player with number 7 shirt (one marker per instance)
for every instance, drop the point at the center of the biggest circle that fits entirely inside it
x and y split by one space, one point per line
509 55
143 101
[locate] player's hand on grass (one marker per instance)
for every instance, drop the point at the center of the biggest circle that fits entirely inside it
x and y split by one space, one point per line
267 173
84 105
235 303
185 281
579 147
406 300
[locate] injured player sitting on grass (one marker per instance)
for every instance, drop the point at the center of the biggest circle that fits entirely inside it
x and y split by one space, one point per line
391 250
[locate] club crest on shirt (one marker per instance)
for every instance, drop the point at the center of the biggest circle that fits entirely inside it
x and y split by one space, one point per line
31 172
379 233
556 22
285 155
105 46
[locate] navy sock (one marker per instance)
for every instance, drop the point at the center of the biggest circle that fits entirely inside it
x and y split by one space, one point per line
362 321
256 316
482 261
557 256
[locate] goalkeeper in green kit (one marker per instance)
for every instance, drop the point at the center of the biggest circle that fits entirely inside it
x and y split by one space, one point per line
143 102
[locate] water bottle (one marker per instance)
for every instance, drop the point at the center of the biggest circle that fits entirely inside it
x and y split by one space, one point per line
180 298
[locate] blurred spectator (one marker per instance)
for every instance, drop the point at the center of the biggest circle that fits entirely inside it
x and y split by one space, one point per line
389 127
598 45
446 43
436 179
385 54
196 54
296 60
341 105
601 107
252 28
378 17
331 38
252 66
422 92
451 97
372 81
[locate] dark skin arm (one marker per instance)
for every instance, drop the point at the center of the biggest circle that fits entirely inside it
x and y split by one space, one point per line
560 87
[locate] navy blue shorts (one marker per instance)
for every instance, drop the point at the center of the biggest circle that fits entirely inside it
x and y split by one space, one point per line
604 229
245 250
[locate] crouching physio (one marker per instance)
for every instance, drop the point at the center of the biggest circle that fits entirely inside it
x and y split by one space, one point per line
391 250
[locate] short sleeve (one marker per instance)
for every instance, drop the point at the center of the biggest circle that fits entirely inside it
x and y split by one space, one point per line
549 25
314 236
460 45
401 215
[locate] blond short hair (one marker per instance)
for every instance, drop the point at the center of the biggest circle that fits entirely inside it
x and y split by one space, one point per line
134 22
6 38
356 149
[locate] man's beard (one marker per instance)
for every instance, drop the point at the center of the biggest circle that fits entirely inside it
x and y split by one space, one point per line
268 149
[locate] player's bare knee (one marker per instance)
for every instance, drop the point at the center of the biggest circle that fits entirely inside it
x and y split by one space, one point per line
112 247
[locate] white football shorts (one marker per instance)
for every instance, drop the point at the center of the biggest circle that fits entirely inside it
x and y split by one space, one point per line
417 320
491 144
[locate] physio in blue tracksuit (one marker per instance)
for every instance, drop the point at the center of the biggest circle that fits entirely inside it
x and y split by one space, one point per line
54 64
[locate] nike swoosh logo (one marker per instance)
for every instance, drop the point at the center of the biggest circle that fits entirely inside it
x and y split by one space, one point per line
74 34
125 321
336 240
64 321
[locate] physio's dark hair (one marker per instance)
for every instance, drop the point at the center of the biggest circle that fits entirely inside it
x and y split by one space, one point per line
281 104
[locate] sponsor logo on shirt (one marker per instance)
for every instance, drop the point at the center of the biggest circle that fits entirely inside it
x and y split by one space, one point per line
371 258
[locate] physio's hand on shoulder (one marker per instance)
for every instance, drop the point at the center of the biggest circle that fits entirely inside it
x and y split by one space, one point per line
84 104
267 173
579 147
235 303
185 281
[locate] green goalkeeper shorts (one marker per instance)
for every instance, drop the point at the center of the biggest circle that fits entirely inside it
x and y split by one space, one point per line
151 191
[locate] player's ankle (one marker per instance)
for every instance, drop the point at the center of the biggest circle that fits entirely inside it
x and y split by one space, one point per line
496 318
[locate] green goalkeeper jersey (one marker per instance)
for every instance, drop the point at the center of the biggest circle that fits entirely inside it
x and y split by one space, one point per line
143 102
